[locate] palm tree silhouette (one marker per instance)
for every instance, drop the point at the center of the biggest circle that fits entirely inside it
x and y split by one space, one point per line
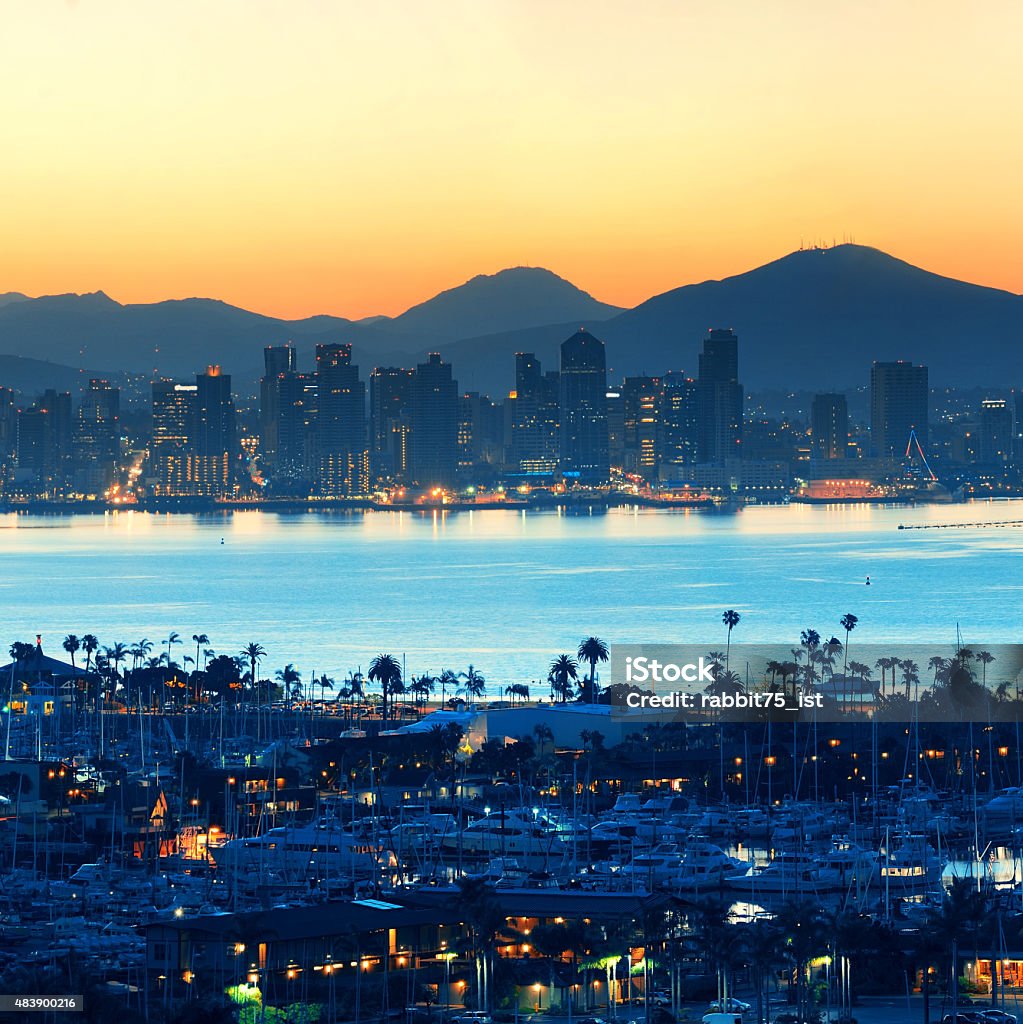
199 639
848 623
731 619
985 658
291 679
562 674
254 653
385 670
593 649
475 685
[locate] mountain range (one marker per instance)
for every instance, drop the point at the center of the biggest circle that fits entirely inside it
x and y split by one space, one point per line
813 319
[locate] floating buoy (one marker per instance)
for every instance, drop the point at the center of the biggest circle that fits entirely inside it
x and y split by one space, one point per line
868 578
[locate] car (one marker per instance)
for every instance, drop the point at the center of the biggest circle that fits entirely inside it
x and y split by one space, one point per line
592 1020
731 1005
963 1017
998 1017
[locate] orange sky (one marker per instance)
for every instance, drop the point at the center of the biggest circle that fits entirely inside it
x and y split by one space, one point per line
353 157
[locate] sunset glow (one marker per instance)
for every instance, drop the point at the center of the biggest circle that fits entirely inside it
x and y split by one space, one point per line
355 158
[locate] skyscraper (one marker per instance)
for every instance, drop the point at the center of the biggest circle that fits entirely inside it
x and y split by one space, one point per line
679 421
720 398
641 409
829 426
434 424
583 410
44 444
342 450
278 361
898 407
996 431
390 413
172 450
216 447
534 418
97 433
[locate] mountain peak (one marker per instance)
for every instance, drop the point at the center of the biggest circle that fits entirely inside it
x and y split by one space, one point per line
511 299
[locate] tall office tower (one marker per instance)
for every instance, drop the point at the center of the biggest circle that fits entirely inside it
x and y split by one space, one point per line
615 405
679 420
996 431
296 424
534 420
829 426
434 424
44 443
390 414
641 413
720 398
172 451
8 425
480 434
216 446
98 437
278 360
898 407
583 410
342 451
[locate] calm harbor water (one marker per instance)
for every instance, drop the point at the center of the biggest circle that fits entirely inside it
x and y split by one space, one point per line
506 590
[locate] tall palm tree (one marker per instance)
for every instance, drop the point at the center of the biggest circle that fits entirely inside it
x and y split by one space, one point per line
447 678
563 672
71 645
254 653
731 619
385 670
848 623
910 675
90 645
593 649
985 658
199 639
475 685
172 639
291 679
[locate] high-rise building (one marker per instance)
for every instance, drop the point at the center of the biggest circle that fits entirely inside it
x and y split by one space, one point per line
172 450
216 445
390 413
98 437
8 424
44 443
898 407
996 431
679 421
720 398
583 410
296 425
480 434
641 413
534 418
829 426
434 424
278 361
342 451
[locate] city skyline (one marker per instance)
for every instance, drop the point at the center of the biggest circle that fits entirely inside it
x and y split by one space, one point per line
439 147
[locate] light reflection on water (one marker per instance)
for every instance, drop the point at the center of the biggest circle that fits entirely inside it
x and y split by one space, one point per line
506 590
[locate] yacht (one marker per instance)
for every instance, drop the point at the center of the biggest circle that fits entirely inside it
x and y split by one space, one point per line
509 833
706 866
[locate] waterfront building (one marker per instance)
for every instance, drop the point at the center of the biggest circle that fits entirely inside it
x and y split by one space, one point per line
173 438
278 361
898 407
583 410
719 398
434 424
679 436
829 427
97 437
534 403
215 440
390 414
996 431
642 400
342 451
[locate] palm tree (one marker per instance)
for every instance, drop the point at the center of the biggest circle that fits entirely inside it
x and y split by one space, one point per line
172 639
848 623
291 679
731 619
90 645
562 674
71 645
475 685
985 658
518 691
447 678
544 735
385 670
254 653
910 675
199 639
593 649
